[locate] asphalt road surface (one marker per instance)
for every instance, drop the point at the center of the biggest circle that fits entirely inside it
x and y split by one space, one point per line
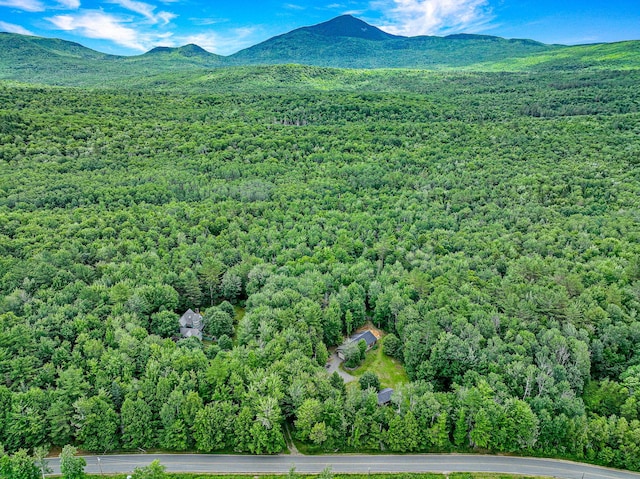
230 464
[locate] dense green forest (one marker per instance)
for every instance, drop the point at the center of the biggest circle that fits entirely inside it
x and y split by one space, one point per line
488 222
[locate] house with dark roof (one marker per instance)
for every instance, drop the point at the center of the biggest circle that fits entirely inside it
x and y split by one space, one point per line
384 396
367 336
191 324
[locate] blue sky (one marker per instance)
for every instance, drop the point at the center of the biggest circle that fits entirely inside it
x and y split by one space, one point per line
131 27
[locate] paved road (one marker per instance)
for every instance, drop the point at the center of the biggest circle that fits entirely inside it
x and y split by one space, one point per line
225 464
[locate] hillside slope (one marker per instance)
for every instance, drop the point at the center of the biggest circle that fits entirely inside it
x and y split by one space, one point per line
602 56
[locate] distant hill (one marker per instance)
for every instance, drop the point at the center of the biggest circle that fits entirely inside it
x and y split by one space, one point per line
25 47
50 61
163 59
186 51
343 42
60 62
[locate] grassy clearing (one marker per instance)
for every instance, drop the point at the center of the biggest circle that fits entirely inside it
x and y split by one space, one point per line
239 314
389 370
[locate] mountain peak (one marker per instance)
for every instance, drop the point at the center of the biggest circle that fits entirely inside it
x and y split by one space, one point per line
189 50
348 26
157 50
192 50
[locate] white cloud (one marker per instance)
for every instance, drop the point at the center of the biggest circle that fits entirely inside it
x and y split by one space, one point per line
293 6
69 4
429 17
146 10
26 5
142 8
166 17
11 28
207 21
97 24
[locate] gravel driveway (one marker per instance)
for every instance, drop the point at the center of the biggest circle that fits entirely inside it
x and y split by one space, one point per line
334 365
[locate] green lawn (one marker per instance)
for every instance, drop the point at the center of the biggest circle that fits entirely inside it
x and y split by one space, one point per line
389 370
239 314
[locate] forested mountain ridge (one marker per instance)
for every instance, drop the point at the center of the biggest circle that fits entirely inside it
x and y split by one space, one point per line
347 42
59 62
18 47
342 42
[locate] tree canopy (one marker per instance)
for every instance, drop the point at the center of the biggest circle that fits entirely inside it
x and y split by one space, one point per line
488 221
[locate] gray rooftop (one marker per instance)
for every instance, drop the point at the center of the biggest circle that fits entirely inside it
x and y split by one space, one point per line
368 337
191 320
384 396
191 324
